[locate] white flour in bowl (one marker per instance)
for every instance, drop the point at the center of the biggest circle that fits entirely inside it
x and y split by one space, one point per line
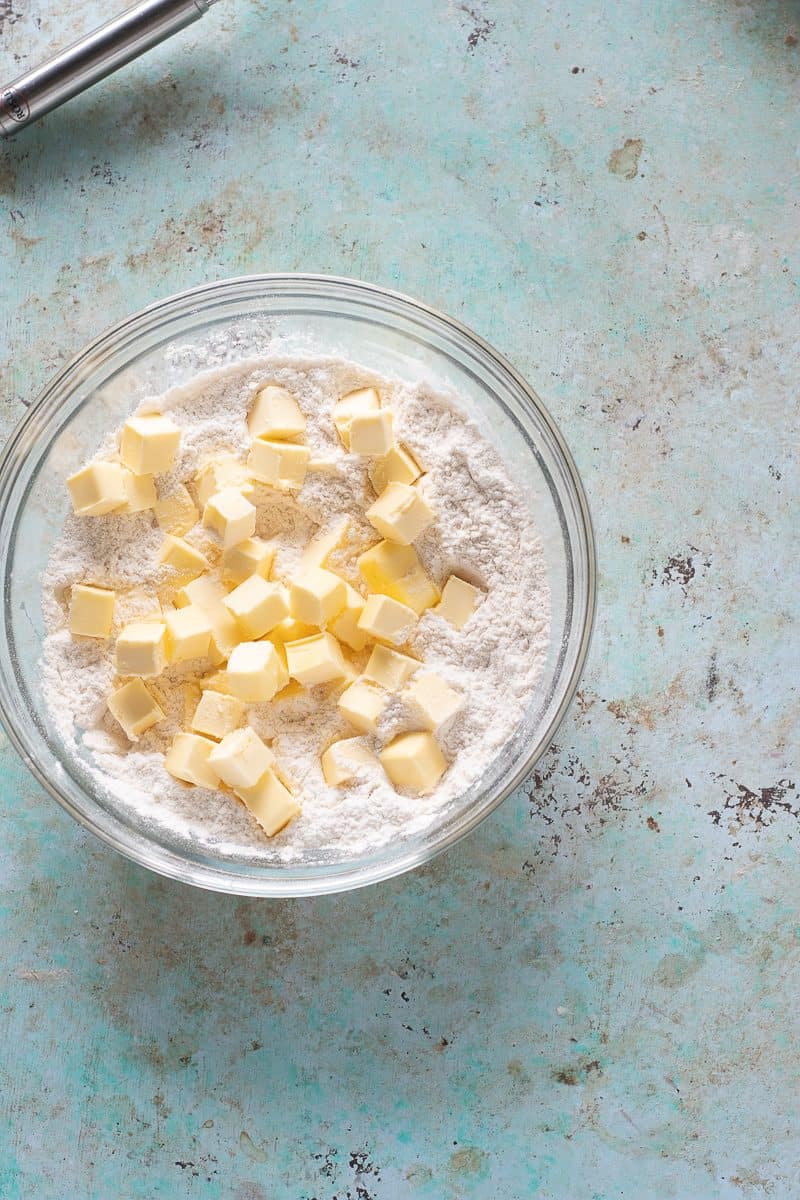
483 531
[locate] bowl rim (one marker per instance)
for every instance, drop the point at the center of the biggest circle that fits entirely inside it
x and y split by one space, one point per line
171 865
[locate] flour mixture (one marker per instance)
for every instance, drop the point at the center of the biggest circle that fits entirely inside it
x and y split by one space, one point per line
297 610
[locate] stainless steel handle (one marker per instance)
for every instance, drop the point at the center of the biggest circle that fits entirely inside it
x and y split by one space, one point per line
92 58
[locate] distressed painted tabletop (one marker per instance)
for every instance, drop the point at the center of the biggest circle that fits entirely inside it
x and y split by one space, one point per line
596 994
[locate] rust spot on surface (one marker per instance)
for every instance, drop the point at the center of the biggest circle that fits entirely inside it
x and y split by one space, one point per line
712 678
757 808
205 229
517 1072
8 176
635 712
341 58
683 568
24 242
679 570
625 160
249 1148
467 1161
675 969
572 1076
481 27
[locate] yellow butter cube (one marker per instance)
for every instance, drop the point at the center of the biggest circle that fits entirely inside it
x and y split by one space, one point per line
290 630
397 466
188 633
140 492
97 489
134 708
156 616
396 571
175 512
270 802
280 464
458 602
205 591
216 682
241 758
316 659
292 689
256 672
141 649
316 595
149 444
400 514
362 400
414 761
275 414
389 669
188 760
208 593
191 698
324 466
220 472
371 433
91 611
342 760
225 635
345 625
258 606
320 547
217 715
433 699
362 704
253 556
387 620
230 515
177 553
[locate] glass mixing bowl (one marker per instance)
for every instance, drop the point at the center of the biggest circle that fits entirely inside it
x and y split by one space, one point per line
167 344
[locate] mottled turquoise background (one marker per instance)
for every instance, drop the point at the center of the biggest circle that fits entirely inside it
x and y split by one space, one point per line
596 995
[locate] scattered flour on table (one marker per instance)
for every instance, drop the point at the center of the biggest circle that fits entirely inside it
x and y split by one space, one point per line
482 531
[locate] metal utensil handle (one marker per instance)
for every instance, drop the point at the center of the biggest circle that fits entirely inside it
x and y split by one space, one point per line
92 58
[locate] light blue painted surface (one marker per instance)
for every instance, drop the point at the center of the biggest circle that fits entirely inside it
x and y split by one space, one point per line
596 995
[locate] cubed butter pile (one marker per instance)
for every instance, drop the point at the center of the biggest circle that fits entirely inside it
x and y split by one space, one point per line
253 639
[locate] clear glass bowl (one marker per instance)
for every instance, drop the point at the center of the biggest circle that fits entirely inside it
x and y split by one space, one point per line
167 344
